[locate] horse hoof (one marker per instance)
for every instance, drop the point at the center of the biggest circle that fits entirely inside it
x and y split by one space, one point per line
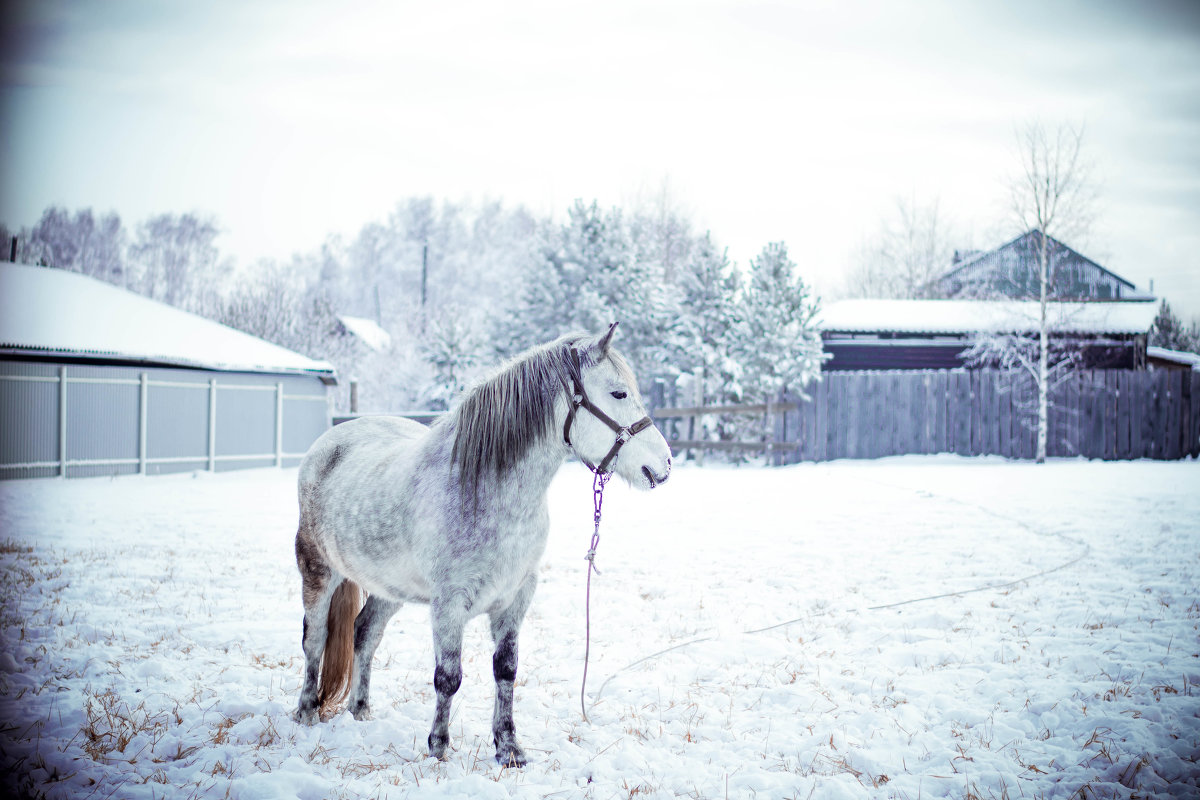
363 714
437 747
307 716
512 757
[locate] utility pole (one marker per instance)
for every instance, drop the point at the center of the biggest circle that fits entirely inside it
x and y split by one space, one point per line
424 273
424 283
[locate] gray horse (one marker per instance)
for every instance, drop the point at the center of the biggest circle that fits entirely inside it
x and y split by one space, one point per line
455 516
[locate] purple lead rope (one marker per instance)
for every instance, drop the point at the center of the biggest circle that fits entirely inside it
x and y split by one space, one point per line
598 482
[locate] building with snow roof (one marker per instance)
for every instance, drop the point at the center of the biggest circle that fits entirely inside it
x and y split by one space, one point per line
364 330
97 380
1164 358
933 334
1011 270
1092 311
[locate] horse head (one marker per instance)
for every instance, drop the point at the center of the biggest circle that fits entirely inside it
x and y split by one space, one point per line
607 424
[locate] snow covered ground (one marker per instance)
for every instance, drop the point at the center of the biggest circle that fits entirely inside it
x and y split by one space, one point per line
820 631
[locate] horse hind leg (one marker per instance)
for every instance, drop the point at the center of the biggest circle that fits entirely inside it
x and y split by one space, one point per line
337 662
317 588
368 631
330 605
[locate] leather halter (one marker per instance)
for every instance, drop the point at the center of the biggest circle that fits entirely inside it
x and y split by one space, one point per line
579 399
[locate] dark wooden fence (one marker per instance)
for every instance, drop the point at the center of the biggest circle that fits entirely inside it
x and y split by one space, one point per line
1105 414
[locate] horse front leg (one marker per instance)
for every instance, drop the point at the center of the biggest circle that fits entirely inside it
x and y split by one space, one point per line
505 626
449 617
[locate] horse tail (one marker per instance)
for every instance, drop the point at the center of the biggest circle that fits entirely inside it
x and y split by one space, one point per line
337 661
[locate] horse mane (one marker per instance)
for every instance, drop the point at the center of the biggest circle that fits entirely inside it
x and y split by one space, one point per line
504 416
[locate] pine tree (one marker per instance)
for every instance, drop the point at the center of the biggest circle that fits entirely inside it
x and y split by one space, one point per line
1169 332
776 341
451 345
708 287
589 276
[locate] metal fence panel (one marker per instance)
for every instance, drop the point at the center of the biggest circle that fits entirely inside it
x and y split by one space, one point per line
304 419
121 420
245 421
26 439
103 421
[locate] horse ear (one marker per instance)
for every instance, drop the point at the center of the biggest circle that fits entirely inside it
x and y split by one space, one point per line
606 341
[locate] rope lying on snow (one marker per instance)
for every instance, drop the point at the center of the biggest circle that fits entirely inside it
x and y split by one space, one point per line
1087 550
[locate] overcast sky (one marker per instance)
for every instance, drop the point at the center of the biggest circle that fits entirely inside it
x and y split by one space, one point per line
801 122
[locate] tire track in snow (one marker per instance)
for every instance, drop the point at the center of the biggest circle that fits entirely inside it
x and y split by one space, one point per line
1037 531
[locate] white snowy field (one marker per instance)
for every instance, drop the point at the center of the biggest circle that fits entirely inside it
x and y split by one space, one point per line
909 628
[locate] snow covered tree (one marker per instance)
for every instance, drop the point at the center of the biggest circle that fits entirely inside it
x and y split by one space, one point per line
174 258
427 260
1169 332
588 276
275 307
452 344
906 256
776 341
1054 194
709 295
79 242
661 230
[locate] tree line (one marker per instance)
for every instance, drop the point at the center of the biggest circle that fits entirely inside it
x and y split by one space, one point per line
461 286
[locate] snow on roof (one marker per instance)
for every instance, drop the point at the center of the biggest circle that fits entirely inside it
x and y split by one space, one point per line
968 316
44 310
1178 356
369 331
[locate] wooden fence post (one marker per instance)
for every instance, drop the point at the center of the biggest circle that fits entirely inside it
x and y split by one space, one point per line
1123 414
1174 408
779 428
1139 386
1194 445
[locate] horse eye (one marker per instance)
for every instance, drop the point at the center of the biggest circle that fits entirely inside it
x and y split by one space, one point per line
620 395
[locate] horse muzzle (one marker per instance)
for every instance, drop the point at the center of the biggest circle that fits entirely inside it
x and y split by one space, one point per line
655 479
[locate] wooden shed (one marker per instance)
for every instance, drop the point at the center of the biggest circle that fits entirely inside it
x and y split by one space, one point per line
933 334
97 380
1012 270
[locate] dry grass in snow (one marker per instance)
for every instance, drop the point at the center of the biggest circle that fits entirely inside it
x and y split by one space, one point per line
909 628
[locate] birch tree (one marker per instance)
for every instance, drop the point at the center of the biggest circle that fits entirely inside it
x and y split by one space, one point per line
174 258
905 257
1052 192
80 242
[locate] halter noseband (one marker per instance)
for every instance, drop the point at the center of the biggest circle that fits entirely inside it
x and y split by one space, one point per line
579 399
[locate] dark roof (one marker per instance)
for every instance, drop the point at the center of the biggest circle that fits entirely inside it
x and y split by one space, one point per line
1029 240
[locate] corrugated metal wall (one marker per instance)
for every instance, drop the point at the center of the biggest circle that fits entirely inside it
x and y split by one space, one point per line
126 420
